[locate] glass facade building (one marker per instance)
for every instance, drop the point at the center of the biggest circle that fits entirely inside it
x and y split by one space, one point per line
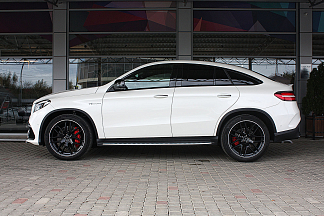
48 48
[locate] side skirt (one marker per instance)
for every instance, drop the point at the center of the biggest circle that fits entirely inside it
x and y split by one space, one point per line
159 141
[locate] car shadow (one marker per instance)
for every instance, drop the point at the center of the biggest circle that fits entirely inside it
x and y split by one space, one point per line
152 151
299 149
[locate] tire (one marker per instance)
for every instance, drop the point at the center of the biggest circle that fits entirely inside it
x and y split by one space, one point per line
68 137
245 138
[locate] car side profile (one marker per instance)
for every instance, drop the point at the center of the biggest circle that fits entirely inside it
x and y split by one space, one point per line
169 102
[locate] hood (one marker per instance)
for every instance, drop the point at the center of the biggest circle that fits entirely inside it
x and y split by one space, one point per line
69 93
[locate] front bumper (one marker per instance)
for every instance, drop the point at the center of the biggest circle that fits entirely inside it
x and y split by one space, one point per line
31 136
287 135
30 133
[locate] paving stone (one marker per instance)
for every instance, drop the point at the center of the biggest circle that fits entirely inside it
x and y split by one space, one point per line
162 180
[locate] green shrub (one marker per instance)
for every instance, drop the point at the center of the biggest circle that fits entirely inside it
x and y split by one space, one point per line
313 102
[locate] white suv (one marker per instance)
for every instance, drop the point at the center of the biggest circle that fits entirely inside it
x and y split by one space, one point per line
170 102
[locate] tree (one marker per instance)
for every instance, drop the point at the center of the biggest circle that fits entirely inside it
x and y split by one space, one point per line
41 88
9 80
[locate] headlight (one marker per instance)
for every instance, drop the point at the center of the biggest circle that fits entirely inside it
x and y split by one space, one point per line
41 105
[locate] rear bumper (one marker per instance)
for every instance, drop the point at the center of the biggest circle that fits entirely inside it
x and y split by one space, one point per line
287 135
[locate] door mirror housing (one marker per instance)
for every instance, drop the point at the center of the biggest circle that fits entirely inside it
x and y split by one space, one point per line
120 85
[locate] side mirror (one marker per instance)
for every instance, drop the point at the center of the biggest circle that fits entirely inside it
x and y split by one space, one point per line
120 85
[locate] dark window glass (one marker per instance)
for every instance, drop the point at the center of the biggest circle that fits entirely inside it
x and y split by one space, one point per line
236 21
25 6
123 4
242 79
318 19
318 44
237 4
221 77
123 21
156 76
26 22
197 75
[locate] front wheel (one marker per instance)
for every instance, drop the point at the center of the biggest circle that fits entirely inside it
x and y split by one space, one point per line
68 137
245 138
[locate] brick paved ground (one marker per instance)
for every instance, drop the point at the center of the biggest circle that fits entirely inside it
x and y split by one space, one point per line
155 180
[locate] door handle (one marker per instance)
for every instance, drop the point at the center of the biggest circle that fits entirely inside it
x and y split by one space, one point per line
224 95
161 96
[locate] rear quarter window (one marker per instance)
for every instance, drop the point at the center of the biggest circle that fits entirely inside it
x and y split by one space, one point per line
239 78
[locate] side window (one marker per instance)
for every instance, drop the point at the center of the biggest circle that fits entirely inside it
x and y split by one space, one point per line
239 78
221 78
197 75
156 76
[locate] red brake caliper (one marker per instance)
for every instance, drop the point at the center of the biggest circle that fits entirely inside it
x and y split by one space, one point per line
78 136
234 139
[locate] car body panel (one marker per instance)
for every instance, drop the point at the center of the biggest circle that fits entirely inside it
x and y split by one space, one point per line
85 100
137 113
195 110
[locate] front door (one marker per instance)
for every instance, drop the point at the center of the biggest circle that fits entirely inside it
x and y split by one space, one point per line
144 109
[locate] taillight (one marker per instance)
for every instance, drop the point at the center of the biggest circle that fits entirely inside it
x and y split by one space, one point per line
285 96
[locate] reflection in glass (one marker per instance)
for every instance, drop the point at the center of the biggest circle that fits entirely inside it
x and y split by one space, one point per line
21 82
25 45
90 72
221 44
279 69
157 76
318 45
123 44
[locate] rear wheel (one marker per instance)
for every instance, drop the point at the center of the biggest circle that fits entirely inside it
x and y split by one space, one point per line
245 138
68 137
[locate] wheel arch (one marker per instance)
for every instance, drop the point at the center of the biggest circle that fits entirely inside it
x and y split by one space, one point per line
56 113
262 115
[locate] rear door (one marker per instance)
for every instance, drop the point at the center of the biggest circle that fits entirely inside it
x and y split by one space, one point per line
202 95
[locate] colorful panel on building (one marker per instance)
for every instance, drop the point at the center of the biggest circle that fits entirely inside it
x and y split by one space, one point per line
122 4
241 4
123 21
244 21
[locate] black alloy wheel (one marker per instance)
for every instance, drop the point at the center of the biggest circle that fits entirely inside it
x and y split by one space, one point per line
245 138
68 137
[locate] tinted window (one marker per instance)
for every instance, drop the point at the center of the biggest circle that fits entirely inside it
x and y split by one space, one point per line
221 77
242 79
197 75
156 76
